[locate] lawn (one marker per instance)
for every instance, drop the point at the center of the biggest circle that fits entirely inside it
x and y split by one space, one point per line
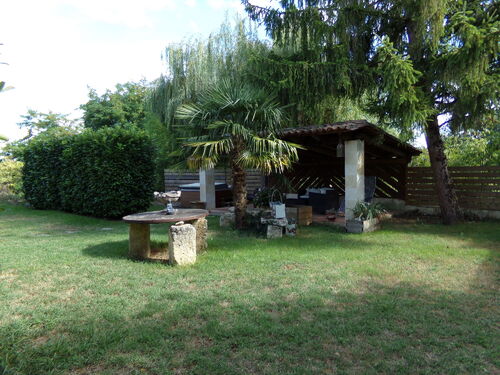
412 298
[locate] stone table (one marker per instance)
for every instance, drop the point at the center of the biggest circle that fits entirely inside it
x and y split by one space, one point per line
139 246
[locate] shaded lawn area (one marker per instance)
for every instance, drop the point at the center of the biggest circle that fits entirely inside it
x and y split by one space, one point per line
410 299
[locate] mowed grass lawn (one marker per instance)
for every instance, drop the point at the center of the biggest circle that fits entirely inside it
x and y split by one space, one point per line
411 298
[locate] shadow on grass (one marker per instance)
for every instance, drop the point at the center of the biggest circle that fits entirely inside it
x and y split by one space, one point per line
116 249
396 330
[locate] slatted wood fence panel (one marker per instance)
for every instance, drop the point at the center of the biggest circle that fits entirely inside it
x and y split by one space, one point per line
173 178
477 188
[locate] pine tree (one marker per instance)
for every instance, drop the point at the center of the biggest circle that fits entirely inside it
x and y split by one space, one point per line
429 64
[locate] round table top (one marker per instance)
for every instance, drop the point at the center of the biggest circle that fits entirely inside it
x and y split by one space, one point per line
156 217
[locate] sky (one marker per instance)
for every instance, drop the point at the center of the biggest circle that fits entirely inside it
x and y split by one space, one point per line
55 49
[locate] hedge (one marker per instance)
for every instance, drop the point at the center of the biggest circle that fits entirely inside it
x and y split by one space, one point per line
42 172
106 173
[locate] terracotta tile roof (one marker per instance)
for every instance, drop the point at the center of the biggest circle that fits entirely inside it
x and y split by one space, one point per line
361 126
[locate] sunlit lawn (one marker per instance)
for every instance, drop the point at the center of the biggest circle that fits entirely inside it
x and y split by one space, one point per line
410 299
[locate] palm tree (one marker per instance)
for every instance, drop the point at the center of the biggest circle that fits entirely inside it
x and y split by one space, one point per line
240 122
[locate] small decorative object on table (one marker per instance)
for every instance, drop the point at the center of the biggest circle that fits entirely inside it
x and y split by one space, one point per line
167 198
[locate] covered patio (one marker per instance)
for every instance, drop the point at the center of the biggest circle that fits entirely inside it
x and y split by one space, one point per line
340 155
338 158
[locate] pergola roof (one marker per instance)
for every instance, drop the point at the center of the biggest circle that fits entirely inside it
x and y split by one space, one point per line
373 135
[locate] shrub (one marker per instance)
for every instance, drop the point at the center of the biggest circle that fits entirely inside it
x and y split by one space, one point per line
11 178
264 196
367 211
42 171
105 173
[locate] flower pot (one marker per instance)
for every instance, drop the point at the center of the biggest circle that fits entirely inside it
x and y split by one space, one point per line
361 226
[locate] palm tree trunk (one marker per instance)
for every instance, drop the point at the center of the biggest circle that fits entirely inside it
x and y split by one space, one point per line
239 187
447 198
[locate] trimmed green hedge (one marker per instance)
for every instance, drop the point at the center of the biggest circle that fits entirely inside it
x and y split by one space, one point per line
42 172
105 173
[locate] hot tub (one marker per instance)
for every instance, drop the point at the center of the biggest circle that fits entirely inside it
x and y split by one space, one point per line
191 193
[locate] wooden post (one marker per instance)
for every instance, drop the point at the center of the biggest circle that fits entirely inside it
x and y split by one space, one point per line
139 247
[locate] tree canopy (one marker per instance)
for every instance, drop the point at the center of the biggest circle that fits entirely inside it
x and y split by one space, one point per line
39 124
123 106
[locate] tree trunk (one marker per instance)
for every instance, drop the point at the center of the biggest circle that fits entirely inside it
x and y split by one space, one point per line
239 189
447 198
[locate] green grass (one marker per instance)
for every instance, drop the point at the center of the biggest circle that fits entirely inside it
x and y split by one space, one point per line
411 298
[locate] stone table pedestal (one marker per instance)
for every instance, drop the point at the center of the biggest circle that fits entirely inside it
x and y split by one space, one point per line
139 230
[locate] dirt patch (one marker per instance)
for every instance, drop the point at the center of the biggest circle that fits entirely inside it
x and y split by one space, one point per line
8 275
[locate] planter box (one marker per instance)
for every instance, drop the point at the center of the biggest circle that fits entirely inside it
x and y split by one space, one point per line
301 214
357 226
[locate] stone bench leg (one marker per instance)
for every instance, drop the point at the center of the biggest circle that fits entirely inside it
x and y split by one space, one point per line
201 227
274 231
182 244
139 247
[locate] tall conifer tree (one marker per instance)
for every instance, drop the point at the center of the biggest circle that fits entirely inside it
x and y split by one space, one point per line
429 64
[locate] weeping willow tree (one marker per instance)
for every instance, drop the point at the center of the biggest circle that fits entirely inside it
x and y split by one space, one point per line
428 64
192 67
235 53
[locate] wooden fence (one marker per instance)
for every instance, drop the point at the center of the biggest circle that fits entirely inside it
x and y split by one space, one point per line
477 188
173 178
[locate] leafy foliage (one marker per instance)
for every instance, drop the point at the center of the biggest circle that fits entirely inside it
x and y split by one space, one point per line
469 148
42 171
263 196
367 211
192 67
39 124
104 173
239 120
10 178
124 106
417 59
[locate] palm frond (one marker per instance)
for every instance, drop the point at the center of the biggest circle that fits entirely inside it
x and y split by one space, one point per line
233 115
200 162
266 162
208 148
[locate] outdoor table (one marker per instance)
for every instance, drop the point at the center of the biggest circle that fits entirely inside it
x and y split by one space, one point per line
139 243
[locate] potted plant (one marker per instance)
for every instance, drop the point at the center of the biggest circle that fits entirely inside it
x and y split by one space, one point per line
366 217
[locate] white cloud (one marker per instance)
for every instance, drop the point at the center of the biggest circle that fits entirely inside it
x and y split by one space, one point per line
226 4
190 3
54 52
129 13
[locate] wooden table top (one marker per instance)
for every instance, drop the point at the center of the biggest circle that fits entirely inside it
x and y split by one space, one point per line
157 217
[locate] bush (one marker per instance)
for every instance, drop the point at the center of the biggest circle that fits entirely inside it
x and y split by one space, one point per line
10 178
367 211
264 196
105 173
42 171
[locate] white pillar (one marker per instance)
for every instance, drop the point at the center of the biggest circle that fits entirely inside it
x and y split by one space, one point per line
207 188
354 175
